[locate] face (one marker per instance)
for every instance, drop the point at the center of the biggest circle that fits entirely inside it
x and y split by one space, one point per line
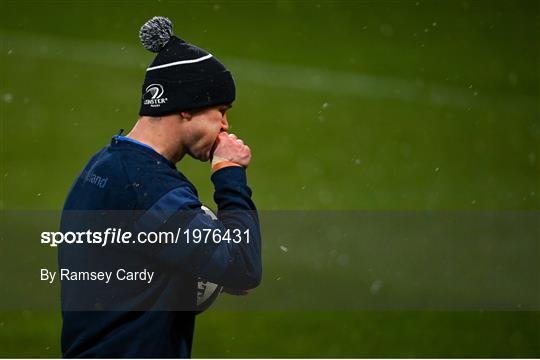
204 127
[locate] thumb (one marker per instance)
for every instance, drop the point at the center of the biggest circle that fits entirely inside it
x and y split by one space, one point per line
216 143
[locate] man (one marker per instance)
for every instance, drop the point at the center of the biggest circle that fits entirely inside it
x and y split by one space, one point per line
133 183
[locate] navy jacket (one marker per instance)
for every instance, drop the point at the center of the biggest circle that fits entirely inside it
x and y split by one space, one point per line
140 190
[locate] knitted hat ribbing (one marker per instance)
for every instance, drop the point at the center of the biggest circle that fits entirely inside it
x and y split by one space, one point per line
182 76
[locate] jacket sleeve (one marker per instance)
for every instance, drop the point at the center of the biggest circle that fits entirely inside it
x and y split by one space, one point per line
236 210
233 264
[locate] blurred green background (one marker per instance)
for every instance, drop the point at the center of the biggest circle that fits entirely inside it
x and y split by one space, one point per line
376 106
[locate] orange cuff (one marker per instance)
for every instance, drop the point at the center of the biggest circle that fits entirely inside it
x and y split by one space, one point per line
223 164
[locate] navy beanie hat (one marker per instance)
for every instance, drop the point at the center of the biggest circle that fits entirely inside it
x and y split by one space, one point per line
182 76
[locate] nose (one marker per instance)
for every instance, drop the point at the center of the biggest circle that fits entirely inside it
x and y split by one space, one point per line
224 124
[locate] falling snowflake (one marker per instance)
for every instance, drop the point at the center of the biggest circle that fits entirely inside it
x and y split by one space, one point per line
7 98
375 287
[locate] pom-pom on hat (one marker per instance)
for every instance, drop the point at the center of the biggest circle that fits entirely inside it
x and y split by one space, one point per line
182 76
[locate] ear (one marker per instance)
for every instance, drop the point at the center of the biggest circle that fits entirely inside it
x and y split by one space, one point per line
185 115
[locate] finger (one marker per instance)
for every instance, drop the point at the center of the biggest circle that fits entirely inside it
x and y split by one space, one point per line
233 136
240 141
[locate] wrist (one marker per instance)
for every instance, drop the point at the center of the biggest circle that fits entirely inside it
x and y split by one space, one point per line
216 160
220 163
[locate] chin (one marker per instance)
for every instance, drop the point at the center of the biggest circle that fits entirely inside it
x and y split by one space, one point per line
205 157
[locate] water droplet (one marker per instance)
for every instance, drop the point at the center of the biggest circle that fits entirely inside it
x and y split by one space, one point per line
436 169
357 161
7 98
375 287
473 202
10 51
38 194
284 248
434 24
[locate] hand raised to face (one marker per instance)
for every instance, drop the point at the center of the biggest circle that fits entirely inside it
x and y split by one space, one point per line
230 148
